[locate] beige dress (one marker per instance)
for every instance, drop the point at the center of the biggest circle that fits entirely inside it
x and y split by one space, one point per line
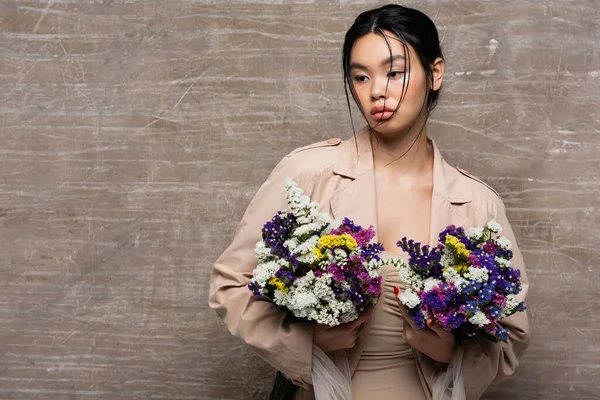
387 368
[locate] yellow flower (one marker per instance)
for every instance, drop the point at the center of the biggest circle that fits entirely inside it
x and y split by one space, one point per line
458 246
461 268
278 283
332 241
318 253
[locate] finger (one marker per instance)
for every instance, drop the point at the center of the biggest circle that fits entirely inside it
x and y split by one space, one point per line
362 318
436 327
408 333
323 327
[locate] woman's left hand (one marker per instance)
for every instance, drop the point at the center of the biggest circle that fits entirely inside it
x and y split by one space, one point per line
433 340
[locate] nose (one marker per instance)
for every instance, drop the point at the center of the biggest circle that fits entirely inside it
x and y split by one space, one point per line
379 88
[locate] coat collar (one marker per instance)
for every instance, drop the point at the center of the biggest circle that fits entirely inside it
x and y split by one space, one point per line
353 164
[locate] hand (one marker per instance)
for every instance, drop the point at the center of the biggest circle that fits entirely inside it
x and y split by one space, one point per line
433 340
331 338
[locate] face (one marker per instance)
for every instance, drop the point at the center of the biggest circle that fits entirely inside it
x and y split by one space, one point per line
391 86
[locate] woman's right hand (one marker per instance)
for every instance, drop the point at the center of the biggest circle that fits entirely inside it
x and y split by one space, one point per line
332 338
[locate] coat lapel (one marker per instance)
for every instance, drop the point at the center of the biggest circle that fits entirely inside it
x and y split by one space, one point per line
356 197
447 195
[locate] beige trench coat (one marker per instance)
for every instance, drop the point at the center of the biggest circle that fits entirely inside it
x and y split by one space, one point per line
341 179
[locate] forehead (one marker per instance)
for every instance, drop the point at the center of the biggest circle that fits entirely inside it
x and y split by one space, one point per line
373 47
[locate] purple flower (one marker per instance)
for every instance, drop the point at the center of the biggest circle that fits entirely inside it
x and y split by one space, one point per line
417 316
336 273
372 251
454 231
455 320
491 247
256 288
276 232
434 301
285 276
424 260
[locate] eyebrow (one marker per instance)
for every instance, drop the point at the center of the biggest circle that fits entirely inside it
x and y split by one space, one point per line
384 62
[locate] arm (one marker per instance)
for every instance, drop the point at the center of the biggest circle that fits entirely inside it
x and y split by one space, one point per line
485 362
285 345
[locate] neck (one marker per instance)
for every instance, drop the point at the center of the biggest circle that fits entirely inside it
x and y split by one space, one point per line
402 157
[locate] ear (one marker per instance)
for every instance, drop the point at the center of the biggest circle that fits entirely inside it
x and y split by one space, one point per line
437 69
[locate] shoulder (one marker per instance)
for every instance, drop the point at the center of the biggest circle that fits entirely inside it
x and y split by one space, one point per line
316 156
306 164
483 194
325 148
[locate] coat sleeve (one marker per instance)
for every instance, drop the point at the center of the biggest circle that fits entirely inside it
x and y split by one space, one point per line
285 345
485 362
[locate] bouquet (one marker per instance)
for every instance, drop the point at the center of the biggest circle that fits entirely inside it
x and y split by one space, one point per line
318 269
465 283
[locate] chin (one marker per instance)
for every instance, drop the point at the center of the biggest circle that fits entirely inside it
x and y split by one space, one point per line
389 128
395 126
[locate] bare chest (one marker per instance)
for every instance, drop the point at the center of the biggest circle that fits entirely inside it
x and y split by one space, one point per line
402 212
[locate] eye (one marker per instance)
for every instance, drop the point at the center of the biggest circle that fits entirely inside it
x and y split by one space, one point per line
395 74
361 78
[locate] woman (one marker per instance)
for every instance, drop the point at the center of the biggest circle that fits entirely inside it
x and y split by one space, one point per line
392 176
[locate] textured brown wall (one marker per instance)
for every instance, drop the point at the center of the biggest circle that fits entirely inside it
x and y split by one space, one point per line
134 133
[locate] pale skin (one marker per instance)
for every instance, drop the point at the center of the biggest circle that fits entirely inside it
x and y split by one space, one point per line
403 162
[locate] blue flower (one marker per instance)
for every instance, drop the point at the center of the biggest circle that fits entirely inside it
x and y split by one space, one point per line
455 320
501 334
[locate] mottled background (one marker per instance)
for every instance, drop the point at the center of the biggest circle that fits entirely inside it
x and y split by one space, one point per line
134 133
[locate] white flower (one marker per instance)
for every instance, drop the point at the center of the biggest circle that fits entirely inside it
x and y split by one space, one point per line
281 298
474 233
322 289
340 254
477 274
373 267
306 229
325 219
447 258
301 299
479 319
349 314
307 246
291 244
409 298
503 262
504 243
261 251
300 205
430 283
265 271
495 227
305 282
511 303
307 258
451 275
408 276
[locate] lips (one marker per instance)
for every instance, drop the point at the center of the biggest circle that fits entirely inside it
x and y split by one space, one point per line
381 113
